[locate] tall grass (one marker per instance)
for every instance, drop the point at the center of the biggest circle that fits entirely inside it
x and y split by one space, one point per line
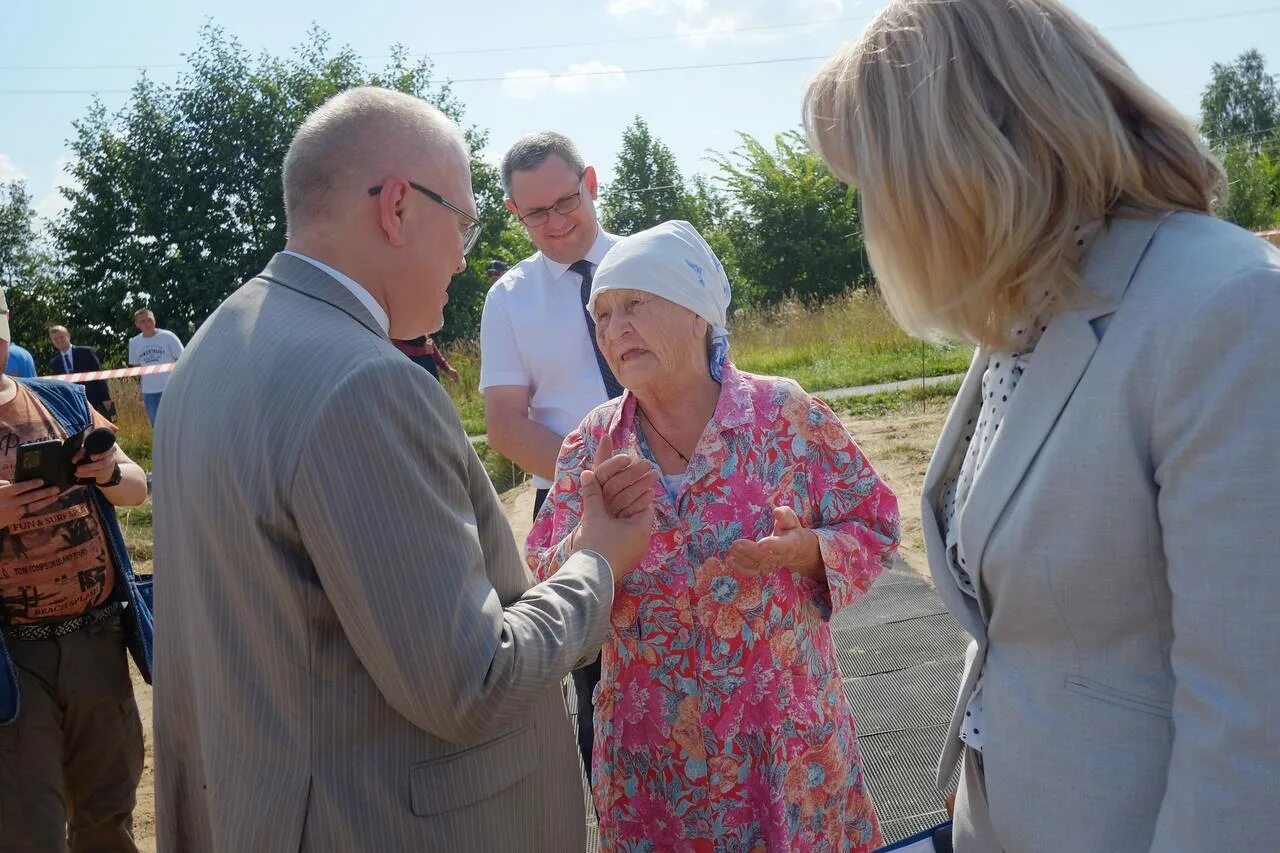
849 340
134 433
465 358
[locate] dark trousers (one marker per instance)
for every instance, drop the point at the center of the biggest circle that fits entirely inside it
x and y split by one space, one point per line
584 685
584 682
70 763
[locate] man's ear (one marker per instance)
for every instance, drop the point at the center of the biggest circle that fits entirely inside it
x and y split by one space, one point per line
390 204
511 206
590 181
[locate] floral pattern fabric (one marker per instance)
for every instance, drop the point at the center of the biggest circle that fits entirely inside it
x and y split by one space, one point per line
720 720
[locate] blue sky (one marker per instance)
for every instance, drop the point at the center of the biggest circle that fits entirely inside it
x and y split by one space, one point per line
693 111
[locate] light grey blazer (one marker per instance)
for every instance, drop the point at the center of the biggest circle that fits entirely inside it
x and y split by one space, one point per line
1124 535
350 654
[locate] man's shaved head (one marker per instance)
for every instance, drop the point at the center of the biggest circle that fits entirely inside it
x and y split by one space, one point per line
355 139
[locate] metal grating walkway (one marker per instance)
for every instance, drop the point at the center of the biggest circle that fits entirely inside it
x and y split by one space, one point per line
900 654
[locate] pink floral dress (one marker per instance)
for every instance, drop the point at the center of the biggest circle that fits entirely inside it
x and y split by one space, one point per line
720 719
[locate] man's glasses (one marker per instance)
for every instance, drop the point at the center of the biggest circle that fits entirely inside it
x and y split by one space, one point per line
565 206
469 236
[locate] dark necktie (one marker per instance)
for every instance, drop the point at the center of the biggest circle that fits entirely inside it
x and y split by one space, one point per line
611 385
66 359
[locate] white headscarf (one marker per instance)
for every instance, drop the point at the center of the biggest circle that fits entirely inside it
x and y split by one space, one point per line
672 260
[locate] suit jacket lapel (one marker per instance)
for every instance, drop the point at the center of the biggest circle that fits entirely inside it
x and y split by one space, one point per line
298 275
961 605
1060 360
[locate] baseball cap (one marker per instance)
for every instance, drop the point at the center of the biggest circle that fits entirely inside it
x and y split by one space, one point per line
4 318
497 266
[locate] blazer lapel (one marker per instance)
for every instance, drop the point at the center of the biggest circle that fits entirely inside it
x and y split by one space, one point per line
296 274
960 604
1060 360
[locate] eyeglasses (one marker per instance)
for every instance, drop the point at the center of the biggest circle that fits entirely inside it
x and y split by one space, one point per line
472 232
565 206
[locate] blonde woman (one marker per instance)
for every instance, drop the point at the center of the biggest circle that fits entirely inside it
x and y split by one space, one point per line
1102 510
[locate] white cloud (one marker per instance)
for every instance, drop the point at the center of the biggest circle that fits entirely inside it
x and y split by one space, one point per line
53 202
700 24
526 83
9 170
590 78
625 8
724 29
818 10
581 78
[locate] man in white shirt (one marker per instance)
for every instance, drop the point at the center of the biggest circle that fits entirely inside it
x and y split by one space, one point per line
153 346
540 371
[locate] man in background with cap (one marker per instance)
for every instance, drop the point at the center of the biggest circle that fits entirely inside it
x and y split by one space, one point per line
540 368
71 747
496 270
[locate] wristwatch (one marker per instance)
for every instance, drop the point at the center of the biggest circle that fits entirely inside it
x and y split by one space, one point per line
116 476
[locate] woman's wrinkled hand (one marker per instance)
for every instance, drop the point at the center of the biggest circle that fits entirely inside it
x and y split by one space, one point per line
625 481
791 545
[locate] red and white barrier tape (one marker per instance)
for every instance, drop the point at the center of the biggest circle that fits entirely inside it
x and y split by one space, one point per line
118 373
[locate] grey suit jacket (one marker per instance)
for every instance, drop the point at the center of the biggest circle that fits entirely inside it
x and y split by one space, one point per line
1124 535
350 653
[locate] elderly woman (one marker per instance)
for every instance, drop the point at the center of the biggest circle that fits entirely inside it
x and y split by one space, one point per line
1101 511
720 719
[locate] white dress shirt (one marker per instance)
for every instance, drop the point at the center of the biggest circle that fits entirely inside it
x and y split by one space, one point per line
365 297
533 334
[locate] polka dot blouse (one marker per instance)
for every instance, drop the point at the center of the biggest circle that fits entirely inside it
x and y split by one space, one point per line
1003 374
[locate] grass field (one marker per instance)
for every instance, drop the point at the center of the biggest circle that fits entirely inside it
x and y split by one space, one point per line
131 418
847 341
912 401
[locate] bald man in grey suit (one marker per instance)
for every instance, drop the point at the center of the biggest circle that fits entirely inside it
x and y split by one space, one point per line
350 654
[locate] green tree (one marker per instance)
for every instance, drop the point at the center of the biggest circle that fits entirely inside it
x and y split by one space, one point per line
177 198
1240 117
17 237
646 187
1253 179
1241 104
792 226
34 294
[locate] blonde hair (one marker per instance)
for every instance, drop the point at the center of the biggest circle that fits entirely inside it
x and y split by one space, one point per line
979 134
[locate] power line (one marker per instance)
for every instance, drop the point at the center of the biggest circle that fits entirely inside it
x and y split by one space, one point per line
1261 132
1264 10
561 76
656 68
710 33
1222 16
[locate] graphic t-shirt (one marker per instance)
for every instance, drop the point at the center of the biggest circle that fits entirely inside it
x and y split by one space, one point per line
161 348
54 564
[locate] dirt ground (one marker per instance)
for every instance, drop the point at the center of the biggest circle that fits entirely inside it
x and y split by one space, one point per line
898 445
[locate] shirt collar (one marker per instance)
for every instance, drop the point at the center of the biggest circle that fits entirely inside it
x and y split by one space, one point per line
734 409
365 297
604 241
